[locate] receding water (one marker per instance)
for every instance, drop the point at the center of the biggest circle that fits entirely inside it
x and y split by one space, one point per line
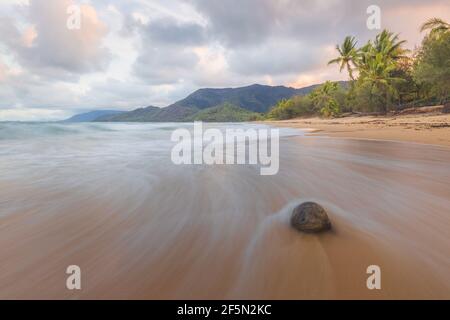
108 198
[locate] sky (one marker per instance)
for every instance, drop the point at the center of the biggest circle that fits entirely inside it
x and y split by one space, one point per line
136 53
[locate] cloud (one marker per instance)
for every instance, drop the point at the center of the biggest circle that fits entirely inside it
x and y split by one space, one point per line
167 53
20 90
113 93
49 49
275 57
136 53
173 32
238 22
164 66
252 22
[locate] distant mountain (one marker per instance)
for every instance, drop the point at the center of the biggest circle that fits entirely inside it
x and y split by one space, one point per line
257 98
226 112
227 104
254 99
152 114
92 115
141 114
174 113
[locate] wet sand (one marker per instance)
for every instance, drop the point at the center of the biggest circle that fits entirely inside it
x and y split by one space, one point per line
142 228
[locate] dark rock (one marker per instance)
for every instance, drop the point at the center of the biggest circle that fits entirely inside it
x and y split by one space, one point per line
310 217
446 108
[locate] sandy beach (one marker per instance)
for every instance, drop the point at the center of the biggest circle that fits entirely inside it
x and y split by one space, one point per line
108 199
428 128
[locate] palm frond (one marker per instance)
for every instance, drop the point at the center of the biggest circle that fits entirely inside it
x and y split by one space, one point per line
434 23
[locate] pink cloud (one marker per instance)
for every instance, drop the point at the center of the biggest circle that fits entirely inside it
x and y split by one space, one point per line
49 47
407 19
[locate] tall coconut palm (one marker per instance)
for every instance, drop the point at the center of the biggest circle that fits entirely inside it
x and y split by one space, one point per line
436 25
387 43
377 72
365 53
386 49
347 55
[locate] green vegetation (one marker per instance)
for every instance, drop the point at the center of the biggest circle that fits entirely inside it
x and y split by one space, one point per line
328 100
226 112
291 108
384 76
432 66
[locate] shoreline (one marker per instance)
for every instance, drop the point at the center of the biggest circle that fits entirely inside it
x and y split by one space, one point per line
155 229
432 129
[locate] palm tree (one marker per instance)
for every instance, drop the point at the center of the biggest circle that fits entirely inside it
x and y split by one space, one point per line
376 63
324 92
363 56
436 25
387 43
323 96
385 51
377 73
347 55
